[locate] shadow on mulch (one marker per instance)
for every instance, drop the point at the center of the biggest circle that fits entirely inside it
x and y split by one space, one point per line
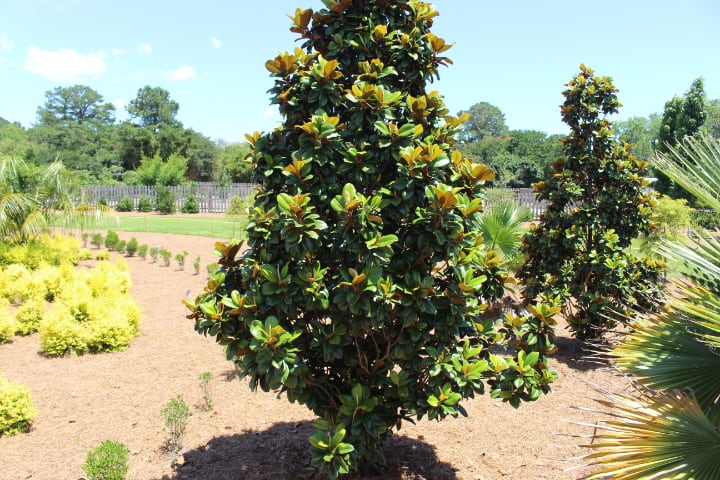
579 355
281 452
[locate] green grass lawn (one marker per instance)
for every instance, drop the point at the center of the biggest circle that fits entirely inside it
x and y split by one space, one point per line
229 228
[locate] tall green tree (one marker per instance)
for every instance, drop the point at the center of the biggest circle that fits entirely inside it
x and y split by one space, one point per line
641 133
359 293
683 116
597 204
72 128
75 105
671 427
712 122
482 120
153 108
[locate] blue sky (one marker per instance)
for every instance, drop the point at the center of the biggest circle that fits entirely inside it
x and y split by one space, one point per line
210 55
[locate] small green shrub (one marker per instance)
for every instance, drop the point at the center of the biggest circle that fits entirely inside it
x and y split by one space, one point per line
212 268
190 205
107 461
85 238
111 240
238 206
142 251
97 240
16 408
165 201
175 414
125 205
166 256
196 265
145 205
205 378
120 246
131 247
155 253
180 259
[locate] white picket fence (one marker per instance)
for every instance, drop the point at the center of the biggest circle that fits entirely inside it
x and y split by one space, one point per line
211 198
215 199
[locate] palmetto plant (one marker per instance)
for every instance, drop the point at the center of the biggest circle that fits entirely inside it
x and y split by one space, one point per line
502 227
31 199
671 429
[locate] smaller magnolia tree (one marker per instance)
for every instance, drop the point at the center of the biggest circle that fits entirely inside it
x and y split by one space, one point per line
598 202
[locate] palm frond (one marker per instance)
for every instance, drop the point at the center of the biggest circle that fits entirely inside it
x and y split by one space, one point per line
667 352
14 207
501 226
658 435
693 164
703 307
697 259
34 225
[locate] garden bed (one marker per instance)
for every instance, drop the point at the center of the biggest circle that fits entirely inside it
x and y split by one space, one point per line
87 399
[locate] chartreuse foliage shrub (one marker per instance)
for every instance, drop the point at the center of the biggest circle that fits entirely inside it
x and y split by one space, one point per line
16 408
7 322
597 204
96 314
360 295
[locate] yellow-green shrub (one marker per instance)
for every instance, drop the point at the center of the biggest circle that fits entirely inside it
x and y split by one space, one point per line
7 322
15 282
60 333
96 314
102 255
16 408
29 315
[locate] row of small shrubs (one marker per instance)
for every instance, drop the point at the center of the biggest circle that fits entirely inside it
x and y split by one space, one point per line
165 203
113 242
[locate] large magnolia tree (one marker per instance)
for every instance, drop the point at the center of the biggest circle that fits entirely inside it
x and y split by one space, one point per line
360 294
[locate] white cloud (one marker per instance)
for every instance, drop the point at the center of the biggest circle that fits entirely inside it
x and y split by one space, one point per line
145 49
65 65
216 43
119 104
182 73
5 43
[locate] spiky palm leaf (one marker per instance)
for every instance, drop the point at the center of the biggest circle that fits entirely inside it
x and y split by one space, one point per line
667 352
656 436
673 432
501 226
693 164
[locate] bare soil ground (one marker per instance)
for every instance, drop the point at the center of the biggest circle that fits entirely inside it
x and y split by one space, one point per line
87 399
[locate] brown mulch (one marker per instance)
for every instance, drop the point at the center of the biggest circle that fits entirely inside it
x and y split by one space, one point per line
87 399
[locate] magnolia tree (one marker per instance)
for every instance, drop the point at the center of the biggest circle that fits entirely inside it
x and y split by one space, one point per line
361 291
598 202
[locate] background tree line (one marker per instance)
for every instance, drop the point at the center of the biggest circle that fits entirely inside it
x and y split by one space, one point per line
77 127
